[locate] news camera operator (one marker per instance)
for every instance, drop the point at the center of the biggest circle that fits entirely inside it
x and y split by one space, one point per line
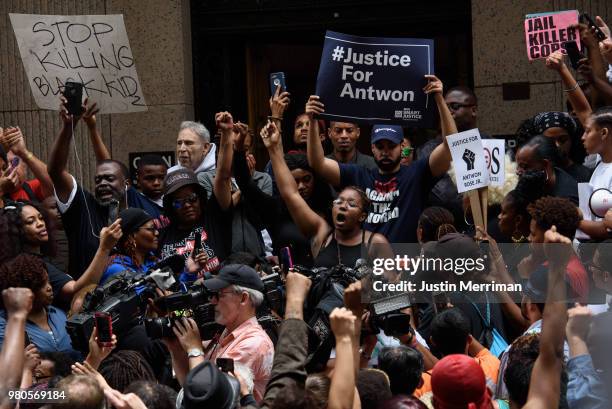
237 292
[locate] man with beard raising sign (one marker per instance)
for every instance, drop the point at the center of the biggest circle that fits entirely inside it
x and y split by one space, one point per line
84 214
398 193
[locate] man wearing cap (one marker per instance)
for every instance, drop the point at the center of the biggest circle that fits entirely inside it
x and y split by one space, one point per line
398 193
238 292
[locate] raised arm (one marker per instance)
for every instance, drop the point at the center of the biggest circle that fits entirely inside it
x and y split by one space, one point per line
309 222
223 178
440 159
544 387
598 65
108 238
341 391
327 168
278 105
58 158
574 92
89 117
14 139
17 303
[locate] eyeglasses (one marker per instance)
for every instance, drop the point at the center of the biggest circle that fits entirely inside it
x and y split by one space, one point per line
179 203
454 106
220 294
349 202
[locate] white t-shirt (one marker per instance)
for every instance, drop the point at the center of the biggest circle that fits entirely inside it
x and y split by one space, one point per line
601 178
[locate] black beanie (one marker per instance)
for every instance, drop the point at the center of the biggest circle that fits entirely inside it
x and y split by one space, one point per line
132 218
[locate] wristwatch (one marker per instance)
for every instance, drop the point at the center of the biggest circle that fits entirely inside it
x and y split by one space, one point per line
195 352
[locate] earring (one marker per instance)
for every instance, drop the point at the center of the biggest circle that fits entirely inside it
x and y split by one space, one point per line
465 218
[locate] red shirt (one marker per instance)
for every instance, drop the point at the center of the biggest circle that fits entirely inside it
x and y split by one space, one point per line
21 194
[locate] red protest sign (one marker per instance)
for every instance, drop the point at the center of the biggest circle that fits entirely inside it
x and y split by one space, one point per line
545 33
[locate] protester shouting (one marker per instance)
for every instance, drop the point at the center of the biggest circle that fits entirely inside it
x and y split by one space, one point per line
342 243
398 193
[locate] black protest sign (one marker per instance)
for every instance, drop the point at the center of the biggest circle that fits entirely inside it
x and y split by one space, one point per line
376 80
91 50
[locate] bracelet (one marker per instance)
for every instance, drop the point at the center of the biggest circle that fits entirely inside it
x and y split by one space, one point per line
572 89
29 155
275 118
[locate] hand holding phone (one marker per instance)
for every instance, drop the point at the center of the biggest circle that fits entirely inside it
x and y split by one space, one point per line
599 35
277 79
73 92
286 261
573 53
104 325
226 365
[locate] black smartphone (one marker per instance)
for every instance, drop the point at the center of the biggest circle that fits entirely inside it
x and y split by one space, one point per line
104 325
589 22
226 364
276 79
113 211
286 260
573 53
197 244
73 92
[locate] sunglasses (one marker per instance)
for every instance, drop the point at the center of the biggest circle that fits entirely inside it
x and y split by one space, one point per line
179 203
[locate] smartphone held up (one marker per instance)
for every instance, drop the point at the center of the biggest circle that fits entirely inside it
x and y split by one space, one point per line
104 325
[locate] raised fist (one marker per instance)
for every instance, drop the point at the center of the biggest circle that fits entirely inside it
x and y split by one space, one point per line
469 158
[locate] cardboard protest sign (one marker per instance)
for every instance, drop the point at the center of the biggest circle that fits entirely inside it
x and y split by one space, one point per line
495 151
546 33
376 80
134 158
468 160
92 50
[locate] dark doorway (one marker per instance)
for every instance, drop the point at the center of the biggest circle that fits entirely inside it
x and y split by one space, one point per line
236 44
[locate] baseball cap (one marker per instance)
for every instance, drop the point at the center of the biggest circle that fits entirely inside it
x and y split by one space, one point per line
458 382
178 179
132 218
393 133
237 274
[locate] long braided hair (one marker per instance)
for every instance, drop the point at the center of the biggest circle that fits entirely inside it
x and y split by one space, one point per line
123 367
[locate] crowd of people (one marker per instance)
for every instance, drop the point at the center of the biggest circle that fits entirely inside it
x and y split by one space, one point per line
270 301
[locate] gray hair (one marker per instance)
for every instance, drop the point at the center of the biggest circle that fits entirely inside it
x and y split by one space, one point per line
197 128
256 297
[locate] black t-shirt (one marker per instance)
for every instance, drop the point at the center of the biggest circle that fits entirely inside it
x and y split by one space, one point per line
581 173
397 199
57 279
83 220
565 186
216 234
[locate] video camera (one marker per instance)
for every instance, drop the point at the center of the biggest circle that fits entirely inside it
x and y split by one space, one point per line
196 301
124 297
386 315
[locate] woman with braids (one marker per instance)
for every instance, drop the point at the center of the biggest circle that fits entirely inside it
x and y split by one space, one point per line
540 154
597 139
46 325
345 241
25 229
136 246
434 223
